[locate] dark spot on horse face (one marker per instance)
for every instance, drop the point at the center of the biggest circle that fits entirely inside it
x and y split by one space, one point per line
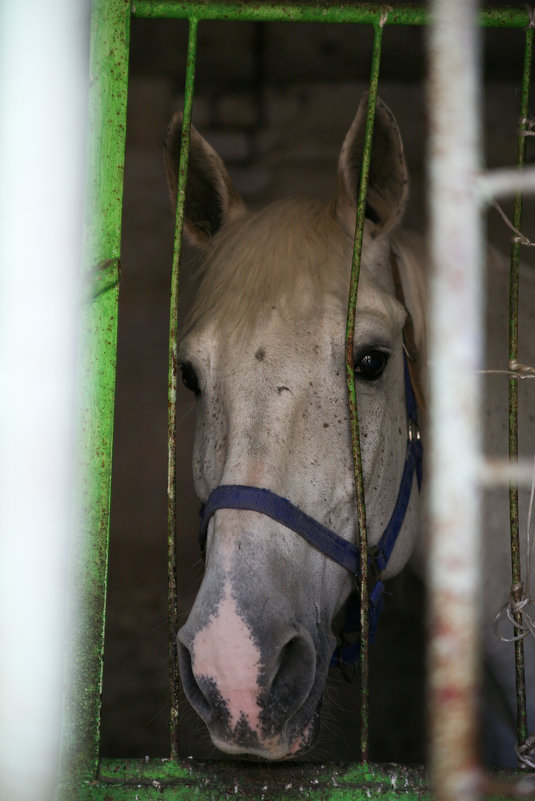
244 736
260 354
280 390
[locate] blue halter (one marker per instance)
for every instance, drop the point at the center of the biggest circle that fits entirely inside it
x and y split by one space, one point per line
256 499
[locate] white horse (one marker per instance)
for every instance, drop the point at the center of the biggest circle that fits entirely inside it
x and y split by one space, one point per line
264 355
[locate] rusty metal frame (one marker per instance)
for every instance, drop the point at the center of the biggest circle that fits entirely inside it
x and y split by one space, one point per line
82 772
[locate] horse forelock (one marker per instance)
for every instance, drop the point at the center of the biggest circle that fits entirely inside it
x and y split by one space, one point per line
287 256
283 257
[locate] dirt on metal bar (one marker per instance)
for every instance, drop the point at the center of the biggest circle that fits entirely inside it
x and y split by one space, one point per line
352 399
173 373
516 573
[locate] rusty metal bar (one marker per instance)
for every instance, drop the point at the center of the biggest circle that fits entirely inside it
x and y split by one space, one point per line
352 399
455 339
514 276
174 678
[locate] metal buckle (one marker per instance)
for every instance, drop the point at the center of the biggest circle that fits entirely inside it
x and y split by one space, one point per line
413 431
374 573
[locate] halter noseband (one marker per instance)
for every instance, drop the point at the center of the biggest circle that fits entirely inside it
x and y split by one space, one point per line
256 499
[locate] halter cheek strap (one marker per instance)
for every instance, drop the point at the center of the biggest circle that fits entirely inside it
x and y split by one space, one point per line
379 555
263 501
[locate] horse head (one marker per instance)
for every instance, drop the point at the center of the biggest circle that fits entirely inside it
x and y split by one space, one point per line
264 354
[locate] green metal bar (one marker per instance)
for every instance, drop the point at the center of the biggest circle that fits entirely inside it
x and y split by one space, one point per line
170 781
174 677
278 12
110 30
516 576
314 12
352 399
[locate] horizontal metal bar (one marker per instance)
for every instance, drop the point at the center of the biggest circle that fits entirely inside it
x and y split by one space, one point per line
278 12
324 12
122 771
495 472
187 780
206 791
506 181
170 780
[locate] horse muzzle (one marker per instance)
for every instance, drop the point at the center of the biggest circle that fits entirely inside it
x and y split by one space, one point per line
261 700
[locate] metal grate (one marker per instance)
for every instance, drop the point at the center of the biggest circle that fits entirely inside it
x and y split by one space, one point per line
455 769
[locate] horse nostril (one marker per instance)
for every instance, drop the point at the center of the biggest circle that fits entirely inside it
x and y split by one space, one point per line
294 678
195 695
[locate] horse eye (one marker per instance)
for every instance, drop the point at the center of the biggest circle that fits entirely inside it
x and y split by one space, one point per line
372 365
189 378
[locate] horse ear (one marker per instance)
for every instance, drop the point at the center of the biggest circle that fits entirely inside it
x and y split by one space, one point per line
388 179
211 199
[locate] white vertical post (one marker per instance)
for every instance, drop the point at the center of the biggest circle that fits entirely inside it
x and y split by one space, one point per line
455 356
43 96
